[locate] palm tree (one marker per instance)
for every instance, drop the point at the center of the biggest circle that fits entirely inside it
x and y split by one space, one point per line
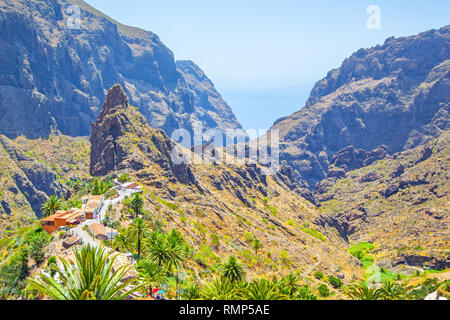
290 283
256 245
90 278
176 249
392 291
222 289
138 228
263 290
157 249
363 292
121 242
52 205
71 204
150 274
233 270
137 203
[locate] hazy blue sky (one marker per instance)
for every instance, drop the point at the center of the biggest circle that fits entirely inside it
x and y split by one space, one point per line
264 56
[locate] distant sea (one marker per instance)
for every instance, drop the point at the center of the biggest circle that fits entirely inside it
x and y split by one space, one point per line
259 109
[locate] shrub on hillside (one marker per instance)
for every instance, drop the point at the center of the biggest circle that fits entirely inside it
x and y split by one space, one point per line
335 282
324 291
318 275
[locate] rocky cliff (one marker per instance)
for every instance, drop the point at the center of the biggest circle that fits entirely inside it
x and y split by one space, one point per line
400 204
54 77
394 96
33 170
121 140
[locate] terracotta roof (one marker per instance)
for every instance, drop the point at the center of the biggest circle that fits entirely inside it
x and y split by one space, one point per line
98 229
65 215
93 202
70 215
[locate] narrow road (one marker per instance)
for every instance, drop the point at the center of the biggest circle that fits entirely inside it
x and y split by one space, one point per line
84 236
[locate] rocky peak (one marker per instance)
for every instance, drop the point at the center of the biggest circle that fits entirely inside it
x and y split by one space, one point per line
122 141
395 95
116 98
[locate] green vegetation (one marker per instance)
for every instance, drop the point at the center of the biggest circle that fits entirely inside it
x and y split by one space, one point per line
319 275
233 271
138 228
137 204
360 251
256 245
427 287
36 242
29 243
373 273
100 187
52 205
389 291
324 291
335 282
13 275
150 274
91 278
313 232
124 178
363 292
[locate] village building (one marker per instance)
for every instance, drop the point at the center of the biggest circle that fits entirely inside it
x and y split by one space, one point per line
101 232
92 206
63 219
130 188
98 231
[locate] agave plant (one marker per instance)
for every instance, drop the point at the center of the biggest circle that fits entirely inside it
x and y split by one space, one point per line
362 292
90 278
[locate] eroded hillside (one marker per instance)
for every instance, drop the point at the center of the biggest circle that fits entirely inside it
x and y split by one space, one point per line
401 204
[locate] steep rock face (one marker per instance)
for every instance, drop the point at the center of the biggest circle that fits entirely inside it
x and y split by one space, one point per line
121 140
395 95
210 109
54 78
399 202
26 182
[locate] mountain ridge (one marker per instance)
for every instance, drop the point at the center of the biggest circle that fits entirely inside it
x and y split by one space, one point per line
55 78
395 95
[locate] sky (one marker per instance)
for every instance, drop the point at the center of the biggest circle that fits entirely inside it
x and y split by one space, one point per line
265 56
